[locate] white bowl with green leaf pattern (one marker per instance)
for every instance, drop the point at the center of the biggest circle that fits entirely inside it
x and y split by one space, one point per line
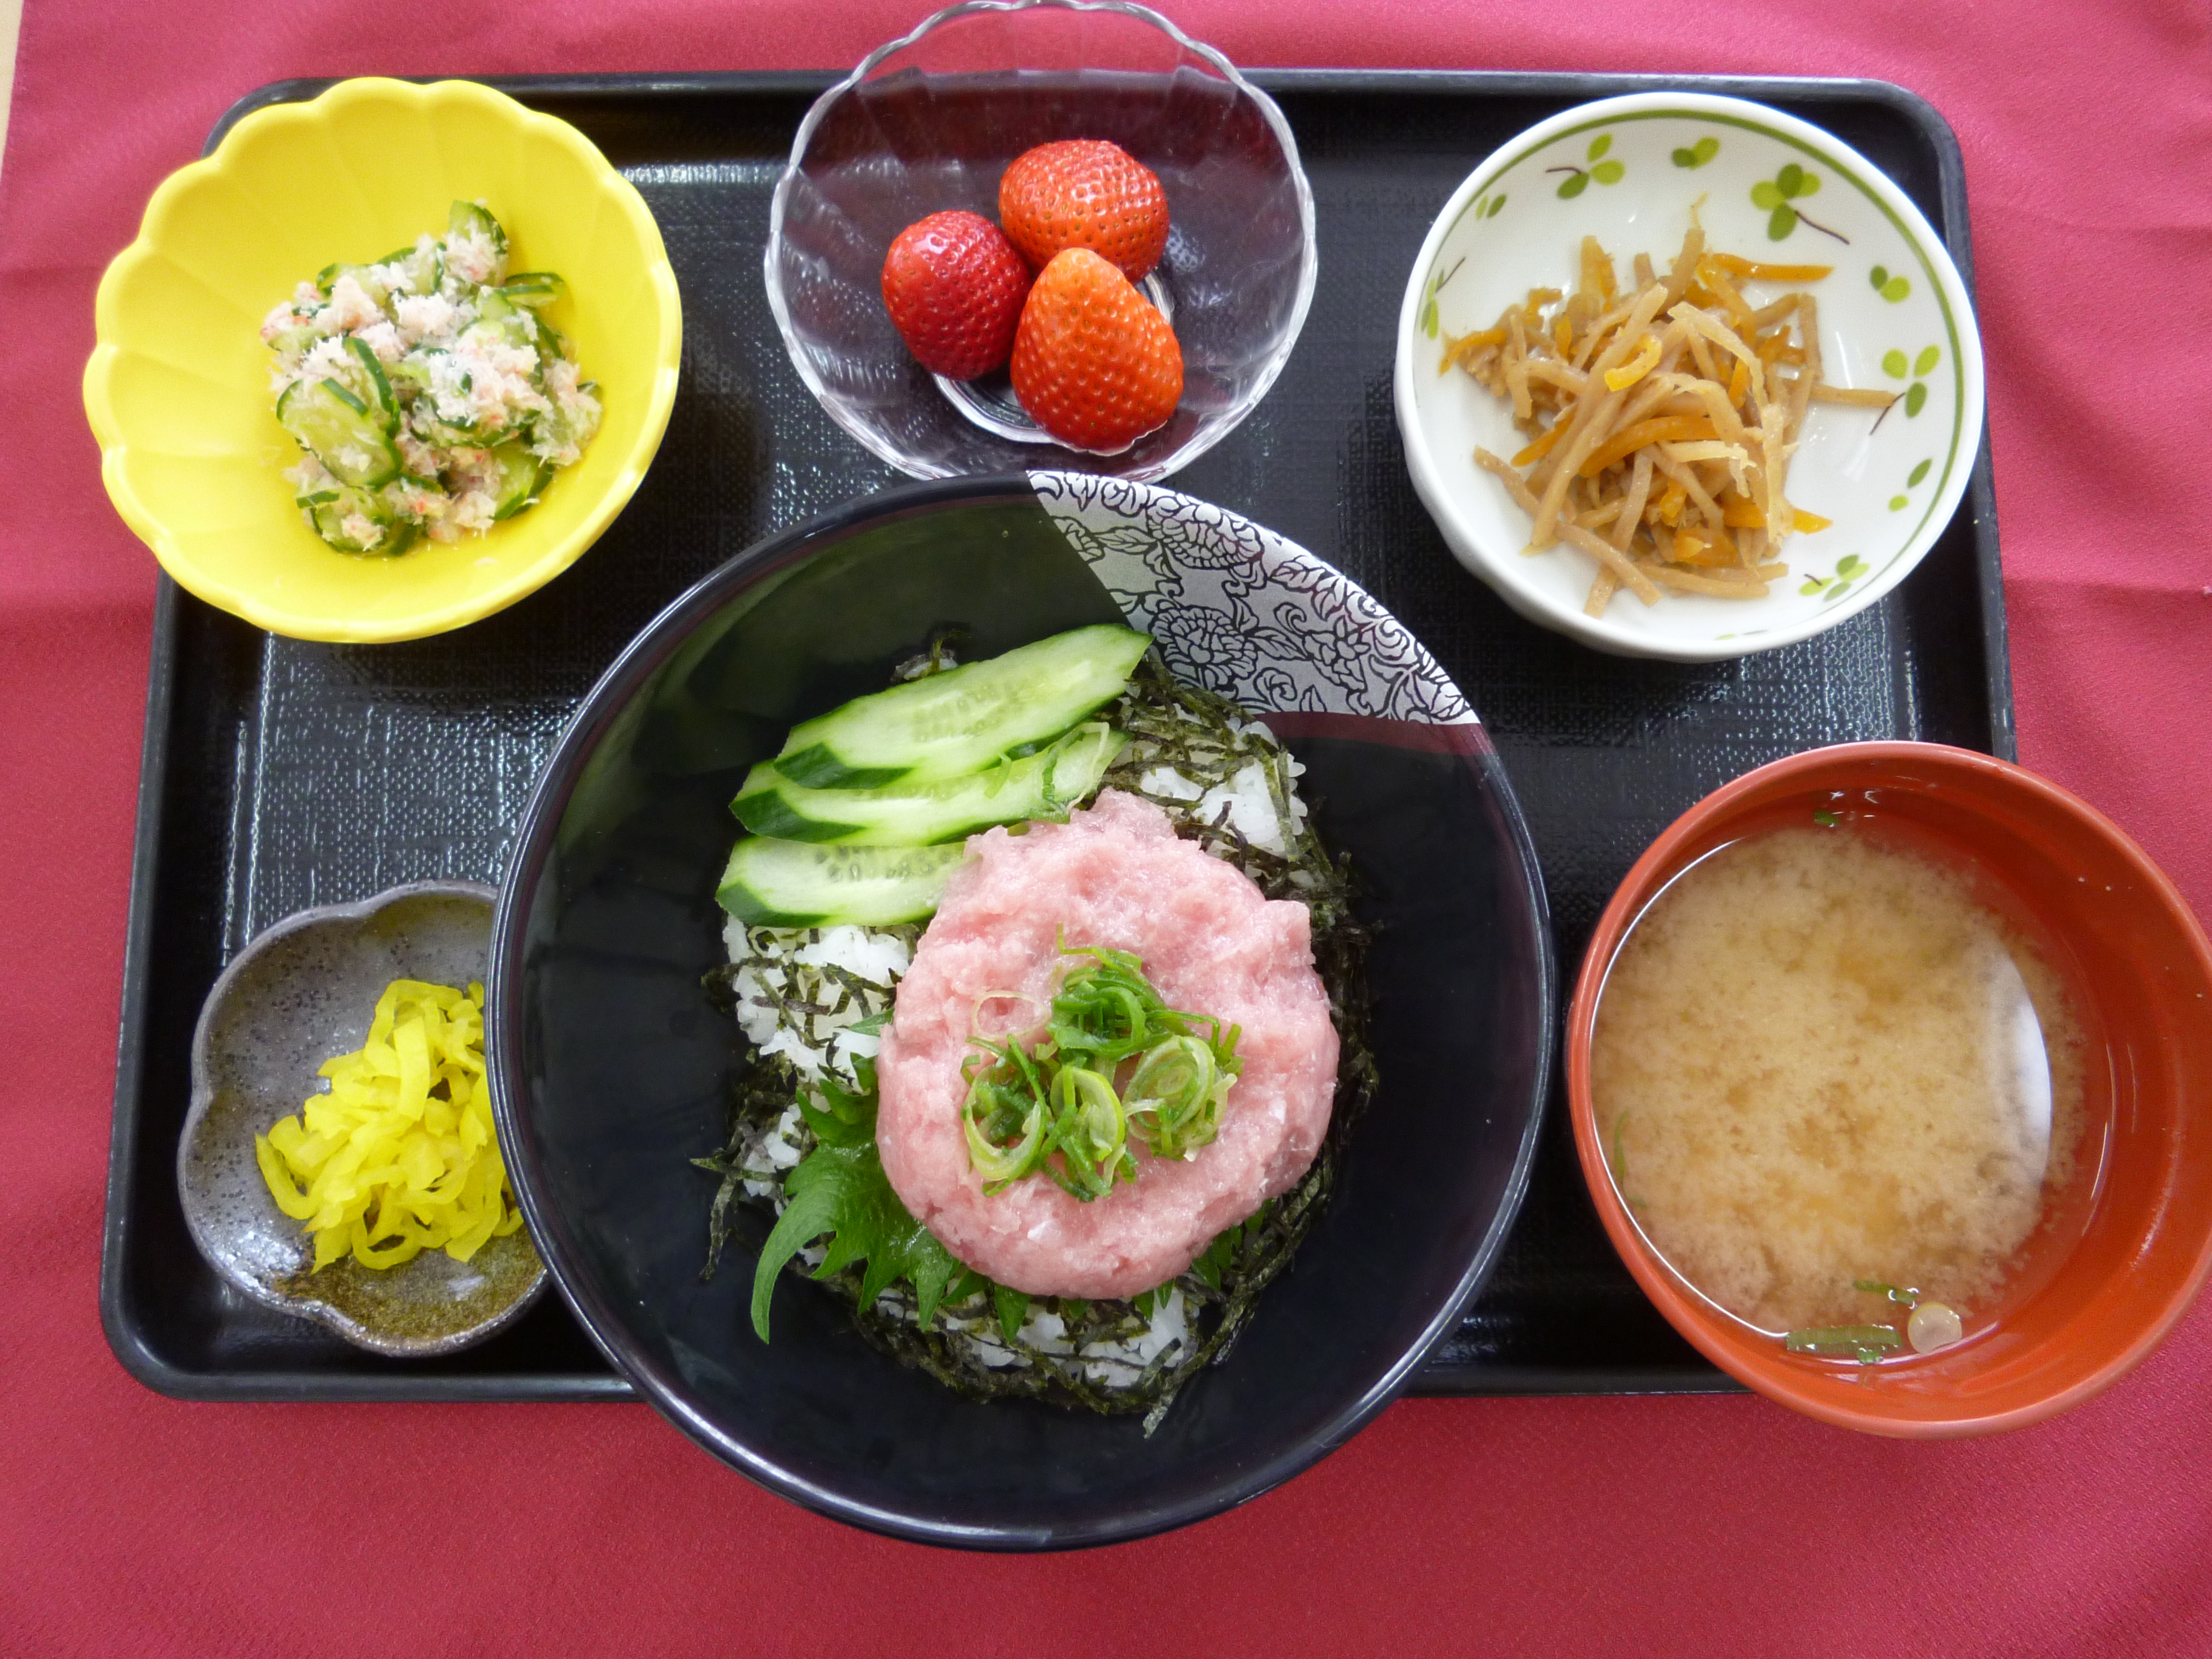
1893 315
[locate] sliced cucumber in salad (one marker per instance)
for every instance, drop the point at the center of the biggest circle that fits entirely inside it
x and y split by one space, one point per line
473 219
523 476
533 288
339 430
375 387
357 520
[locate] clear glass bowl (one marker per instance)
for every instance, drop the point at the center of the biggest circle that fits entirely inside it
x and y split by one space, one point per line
931 121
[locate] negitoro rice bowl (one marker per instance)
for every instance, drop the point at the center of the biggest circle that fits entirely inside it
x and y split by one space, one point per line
1123 1335
1355 789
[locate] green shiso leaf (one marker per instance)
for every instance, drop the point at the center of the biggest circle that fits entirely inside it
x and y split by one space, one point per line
1013 1308
840 1190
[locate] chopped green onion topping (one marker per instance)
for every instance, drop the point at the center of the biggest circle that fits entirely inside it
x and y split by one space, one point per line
1026 1107
1865 1343
1903 1296
1091 1132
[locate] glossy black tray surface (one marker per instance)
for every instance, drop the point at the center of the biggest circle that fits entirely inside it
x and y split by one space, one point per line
280 774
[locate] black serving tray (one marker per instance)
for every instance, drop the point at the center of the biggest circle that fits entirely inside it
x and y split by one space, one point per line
280 774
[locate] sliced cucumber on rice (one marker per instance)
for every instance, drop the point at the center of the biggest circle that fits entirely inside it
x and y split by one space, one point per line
859 818
1044 785
960 721
790 884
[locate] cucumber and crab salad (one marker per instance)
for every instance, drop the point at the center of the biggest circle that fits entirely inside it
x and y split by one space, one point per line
431 395
821 930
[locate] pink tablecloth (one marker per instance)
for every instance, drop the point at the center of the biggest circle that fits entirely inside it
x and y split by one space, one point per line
1693 1525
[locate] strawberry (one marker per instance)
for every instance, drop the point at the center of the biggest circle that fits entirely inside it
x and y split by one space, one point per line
1086 193
954 285
1095 365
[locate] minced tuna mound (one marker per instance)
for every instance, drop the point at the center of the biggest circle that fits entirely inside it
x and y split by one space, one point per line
1116 876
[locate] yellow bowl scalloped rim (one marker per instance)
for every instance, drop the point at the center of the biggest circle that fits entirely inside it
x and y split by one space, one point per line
177 389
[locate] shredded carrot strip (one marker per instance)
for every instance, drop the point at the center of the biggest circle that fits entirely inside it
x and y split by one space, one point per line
1755 271
1696 547
1660 428
1739 311
1465 346
1542 447
1806 523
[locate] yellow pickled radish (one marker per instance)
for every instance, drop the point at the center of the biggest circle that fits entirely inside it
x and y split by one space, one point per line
399 1156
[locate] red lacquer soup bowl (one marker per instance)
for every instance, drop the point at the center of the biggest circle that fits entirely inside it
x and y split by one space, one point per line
2127 1242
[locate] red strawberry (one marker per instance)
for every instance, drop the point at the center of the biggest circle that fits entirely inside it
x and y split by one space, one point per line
953 285
1086 193
1095 365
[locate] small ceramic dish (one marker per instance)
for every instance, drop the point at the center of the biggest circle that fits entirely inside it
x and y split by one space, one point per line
2127 1242
931 121
1894 315
297 994
177 392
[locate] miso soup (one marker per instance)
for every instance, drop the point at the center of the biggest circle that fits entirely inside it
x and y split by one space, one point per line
1819 1059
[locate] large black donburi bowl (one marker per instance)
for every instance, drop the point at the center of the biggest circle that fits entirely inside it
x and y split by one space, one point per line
611 1071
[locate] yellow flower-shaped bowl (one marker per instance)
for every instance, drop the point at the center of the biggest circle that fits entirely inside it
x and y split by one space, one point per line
178 388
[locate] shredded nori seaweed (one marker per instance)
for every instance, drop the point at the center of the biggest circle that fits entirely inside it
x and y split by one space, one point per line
1206 739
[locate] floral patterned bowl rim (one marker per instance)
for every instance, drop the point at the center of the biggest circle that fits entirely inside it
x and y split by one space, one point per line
1650 203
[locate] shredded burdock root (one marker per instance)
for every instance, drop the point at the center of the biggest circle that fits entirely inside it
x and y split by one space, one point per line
1660 422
